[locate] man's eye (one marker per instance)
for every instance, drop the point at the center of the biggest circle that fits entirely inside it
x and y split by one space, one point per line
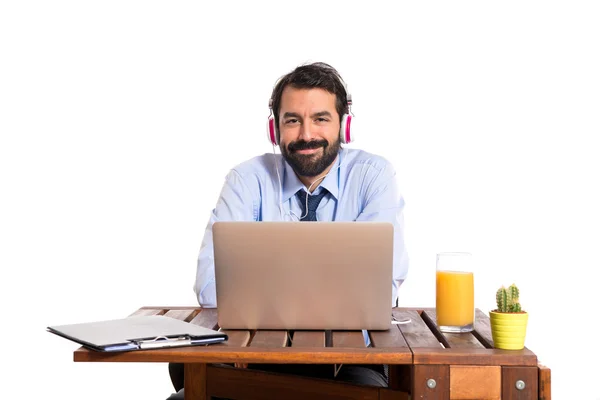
291 121
321 119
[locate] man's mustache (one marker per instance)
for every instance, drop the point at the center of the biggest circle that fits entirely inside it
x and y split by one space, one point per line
304 145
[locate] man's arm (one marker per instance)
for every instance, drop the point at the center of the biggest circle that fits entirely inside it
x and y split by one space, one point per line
235 204
384 203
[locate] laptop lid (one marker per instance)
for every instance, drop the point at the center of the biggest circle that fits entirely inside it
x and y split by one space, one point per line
303 275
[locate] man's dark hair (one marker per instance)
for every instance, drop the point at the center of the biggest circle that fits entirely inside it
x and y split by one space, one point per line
309 76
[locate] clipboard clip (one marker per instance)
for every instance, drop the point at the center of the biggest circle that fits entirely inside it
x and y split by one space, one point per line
161 342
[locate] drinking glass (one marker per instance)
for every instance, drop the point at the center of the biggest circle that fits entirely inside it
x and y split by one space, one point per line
454 301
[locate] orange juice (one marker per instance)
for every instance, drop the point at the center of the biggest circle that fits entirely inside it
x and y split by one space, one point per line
454 298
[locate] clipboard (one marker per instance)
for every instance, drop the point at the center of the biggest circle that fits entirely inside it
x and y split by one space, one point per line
137 333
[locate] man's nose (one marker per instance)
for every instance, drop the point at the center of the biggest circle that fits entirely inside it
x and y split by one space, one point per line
306 131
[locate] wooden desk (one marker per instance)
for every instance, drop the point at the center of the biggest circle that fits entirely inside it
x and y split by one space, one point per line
424 362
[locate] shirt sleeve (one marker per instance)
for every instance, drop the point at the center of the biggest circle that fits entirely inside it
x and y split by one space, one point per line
384 203
235 204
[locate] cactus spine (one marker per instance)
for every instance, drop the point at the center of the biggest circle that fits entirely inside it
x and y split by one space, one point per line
507 299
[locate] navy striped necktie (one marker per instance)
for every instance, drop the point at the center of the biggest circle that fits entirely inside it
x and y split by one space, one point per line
313 203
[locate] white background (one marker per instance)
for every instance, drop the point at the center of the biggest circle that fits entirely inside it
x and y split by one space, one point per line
119 121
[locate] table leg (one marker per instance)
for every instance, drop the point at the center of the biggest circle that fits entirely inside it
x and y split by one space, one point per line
195 381
431 382
519 383
544 382
399 377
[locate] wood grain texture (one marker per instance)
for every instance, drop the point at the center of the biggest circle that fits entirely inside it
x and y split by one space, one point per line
416 333
389 394
269 339
308 339
259 385
182 315
413 352
400 377
428 316
207 317
235 338
466 356
391 338
510 375
452 340
544 383
195 381
483 330
441 375
468 382
350 339
227 354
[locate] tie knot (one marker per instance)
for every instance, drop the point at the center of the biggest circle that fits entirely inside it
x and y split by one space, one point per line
313 203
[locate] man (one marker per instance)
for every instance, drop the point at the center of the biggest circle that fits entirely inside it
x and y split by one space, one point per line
312 179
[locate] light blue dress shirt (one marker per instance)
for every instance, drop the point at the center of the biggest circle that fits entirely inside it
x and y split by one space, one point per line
362 187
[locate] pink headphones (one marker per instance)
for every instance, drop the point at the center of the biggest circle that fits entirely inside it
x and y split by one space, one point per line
345 132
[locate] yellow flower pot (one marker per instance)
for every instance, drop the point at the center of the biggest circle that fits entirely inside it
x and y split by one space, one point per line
509 329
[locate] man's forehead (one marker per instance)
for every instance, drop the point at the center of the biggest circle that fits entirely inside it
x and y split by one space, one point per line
296 97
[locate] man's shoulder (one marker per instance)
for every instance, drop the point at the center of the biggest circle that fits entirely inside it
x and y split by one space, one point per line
257 166
357 157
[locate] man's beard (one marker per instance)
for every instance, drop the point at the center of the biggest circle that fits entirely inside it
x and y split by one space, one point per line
310 165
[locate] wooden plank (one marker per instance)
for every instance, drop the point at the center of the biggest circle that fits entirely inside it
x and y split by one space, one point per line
228 354
544 383
462 340
392 338
269 339
422 374
235 338
348 339
195 381
207 317
249 384
416 333
462 356
468 382
483 330
400 377
183 315
148 312
308 339
389 394
512 375
452 340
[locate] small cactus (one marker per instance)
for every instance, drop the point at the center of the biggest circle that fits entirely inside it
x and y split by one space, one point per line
507 299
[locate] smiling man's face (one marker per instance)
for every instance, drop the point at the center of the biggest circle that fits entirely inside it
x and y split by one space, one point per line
309 127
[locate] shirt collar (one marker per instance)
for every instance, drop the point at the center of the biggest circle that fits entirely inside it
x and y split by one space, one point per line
291 183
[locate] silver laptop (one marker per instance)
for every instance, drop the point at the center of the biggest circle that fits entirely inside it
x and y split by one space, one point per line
303 275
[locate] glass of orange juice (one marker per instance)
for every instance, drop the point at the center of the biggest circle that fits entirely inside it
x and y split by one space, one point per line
454 300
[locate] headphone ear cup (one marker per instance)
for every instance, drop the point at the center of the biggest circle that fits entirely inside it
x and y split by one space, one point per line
272 136
345 132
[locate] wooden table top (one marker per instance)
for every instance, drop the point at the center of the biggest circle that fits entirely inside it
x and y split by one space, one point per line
418 342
